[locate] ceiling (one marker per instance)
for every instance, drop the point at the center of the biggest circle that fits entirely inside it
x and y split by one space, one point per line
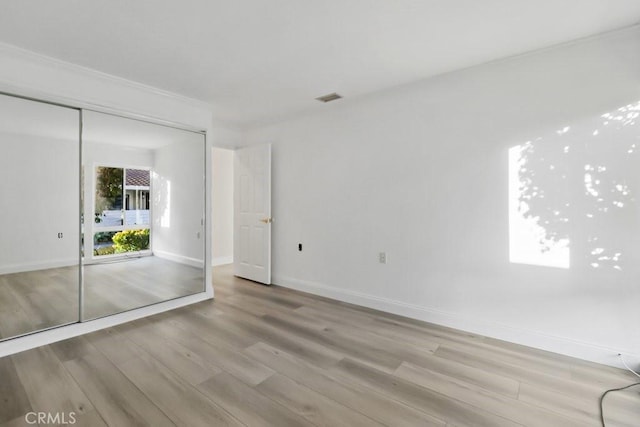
258 61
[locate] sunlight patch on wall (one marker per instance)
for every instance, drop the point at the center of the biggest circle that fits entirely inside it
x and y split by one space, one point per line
163 199
528 241
573 194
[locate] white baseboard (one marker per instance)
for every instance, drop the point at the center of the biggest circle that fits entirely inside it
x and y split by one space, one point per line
222 260
42 265
193 262
561 345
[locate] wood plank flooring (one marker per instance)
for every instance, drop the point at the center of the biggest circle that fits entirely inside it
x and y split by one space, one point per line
269 356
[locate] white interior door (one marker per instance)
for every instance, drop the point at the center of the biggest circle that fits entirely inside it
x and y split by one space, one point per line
252 214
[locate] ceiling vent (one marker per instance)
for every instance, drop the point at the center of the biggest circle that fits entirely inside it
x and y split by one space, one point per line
329 98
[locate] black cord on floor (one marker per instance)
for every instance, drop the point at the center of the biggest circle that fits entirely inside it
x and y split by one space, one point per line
605 394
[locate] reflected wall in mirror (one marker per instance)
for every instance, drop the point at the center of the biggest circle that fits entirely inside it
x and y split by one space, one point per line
39 219
144 201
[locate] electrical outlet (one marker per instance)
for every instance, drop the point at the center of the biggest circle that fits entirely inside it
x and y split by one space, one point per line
299 247
382 257
60 235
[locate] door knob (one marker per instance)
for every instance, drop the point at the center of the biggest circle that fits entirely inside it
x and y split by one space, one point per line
266 220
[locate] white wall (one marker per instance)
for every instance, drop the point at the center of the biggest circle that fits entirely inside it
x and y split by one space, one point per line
222 199
421 172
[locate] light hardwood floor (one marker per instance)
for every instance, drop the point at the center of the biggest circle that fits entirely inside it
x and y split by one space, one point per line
35 300
269 356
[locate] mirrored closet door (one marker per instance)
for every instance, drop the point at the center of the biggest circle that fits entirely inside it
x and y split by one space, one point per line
39 215
100 214
144 201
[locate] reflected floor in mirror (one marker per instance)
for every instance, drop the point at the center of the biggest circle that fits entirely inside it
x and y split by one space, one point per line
35 300
113 287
